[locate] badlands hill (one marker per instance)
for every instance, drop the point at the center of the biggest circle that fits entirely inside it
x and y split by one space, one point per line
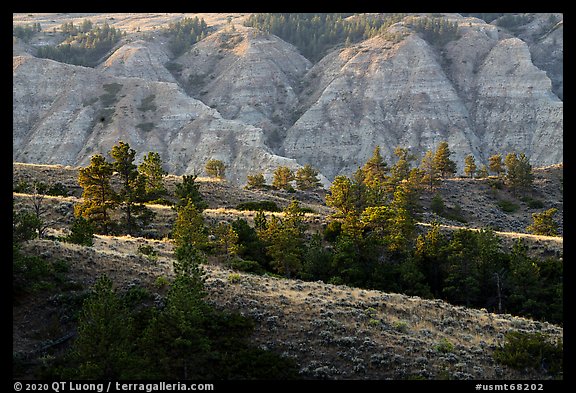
252 100
332 331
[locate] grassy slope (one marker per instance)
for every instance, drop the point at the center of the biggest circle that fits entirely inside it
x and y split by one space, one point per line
335 332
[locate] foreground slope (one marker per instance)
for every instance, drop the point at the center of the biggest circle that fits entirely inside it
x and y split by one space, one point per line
333 332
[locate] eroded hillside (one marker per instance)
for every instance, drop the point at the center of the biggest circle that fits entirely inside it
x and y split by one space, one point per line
251 100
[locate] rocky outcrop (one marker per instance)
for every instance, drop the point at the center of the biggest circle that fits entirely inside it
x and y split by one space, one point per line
64 114
381 93
480 93
139 59
246 75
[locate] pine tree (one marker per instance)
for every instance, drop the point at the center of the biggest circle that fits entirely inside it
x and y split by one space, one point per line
189 227
285 239
518 172
188 191
136 214
341 196
98 195
430 173
282 178
102 347
430 257
151 169
227 239
375 170
442 160
482 172
81 232
543 223
216 168
256 181
401 169
307 178
469 165
495 164
462 285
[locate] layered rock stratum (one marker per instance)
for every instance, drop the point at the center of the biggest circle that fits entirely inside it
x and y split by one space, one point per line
253 101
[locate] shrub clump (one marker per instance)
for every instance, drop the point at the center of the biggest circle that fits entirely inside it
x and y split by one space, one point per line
523 350
268 206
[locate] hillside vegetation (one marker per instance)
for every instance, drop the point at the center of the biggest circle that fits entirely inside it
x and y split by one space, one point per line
288 196
330 331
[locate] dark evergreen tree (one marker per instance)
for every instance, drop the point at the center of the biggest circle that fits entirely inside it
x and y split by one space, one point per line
519 175
307 178
102 347
153 172
442 160
136 215
285 240
81 232
188 190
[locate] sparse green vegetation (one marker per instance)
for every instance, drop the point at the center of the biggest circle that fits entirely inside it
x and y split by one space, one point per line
147 250
507 206
444 346
147 103
146 127
234 278
27 31
532 203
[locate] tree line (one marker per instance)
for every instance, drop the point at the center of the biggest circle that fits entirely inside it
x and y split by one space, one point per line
435 30
83 45
27 31
316 33
185 33
371 241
